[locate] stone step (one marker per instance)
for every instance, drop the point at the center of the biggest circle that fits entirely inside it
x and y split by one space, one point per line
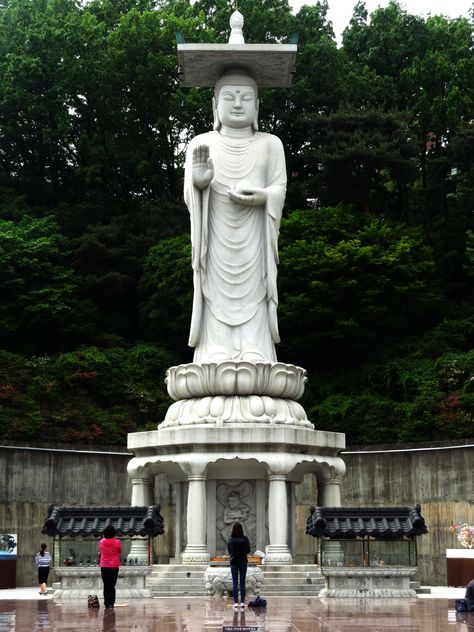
292 593
157 585
302 576
168 591
187 575
177 593
164 588
283 579
182 568
295 582
420 590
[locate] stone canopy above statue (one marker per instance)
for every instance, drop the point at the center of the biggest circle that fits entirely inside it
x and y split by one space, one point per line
271 65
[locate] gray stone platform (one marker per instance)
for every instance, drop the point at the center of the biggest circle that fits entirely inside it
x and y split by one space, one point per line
79 581
378 582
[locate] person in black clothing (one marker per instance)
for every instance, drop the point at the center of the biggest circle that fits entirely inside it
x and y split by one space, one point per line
238 547
469 596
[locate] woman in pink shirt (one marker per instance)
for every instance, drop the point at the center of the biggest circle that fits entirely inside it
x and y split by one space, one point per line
110 552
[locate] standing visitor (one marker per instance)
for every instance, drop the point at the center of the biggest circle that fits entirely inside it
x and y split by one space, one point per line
43 561
110 552
238 547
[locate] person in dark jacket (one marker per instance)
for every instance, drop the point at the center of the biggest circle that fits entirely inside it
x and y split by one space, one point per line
238 547
469 596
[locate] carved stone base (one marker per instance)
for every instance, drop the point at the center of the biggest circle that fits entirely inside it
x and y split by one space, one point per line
222 409
277 379
219 580
195 554
138 551
277 554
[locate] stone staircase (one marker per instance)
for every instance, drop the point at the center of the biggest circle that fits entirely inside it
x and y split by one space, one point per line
175 580
299 580
420 590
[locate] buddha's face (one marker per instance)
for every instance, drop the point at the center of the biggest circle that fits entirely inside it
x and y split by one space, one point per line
237 106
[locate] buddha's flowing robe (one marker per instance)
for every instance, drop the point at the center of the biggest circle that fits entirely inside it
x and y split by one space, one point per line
235 251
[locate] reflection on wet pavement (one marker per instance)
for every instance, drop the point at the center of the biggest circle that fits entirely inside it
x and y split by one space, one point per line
283 614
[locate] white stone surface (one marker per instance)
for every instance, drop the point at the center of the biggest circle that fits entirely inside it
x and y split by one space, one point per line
234 188
459 553
236 25
280 380
201 457
221 409
236 440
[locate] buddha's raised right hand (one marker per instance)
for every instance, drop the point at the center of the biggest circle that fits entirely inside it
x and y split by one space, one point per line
203 169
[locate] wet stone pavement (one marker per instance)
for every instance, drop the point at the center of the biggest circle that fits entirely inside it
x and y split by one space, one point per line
283 614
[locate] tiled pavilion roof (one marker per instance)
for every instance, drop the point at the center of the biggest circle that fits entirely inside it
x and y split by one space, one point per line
91 521
374 522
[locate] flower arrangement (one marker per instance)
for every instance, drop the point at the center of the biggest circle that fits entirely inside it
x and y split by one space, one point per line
464 533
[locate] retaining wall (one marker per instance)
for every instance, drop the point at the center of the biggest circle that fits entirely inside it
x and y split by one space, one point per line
439 477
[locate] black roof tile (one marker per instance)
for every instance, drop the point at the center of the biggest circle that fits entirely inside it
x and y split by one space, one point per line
91 521
374 522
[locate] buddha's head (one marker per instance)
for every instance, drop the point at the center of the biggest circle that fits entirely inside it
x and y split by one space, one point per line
235 102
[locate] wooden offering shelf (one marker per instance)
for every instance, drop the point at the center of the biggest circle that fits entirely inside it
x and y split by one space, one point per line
224 560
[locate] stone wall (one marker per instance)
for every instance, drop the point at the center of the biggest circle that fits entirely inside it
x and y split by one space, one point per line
31 478
438 477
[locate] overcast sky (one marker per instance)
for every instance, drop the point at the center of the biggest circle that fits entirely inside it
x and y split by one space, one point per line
340 11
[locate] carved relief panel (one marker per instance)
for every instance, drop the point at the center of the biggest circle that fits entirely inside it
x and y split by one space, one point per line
236 502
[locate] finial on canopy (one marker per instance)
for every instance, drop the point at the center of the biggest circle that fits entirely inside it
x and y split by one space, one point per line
270 65
236 25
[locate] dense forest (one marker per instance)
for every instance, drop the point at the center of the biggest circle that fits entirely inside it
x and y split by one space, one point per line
377 241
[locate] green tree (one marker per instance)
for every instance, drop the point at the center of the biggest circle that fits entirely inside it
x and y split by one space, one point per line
90 395
364 158
354 286
37 286
166 293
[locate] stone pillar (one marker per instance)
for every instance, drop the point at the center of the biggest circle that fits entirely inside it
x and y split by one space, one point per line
143 495
329 491
277 552
178 523
143 491
329 495
196 521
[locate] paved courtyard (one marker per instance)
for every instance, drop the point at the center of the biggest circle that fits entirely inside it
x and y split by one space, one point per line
23 610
